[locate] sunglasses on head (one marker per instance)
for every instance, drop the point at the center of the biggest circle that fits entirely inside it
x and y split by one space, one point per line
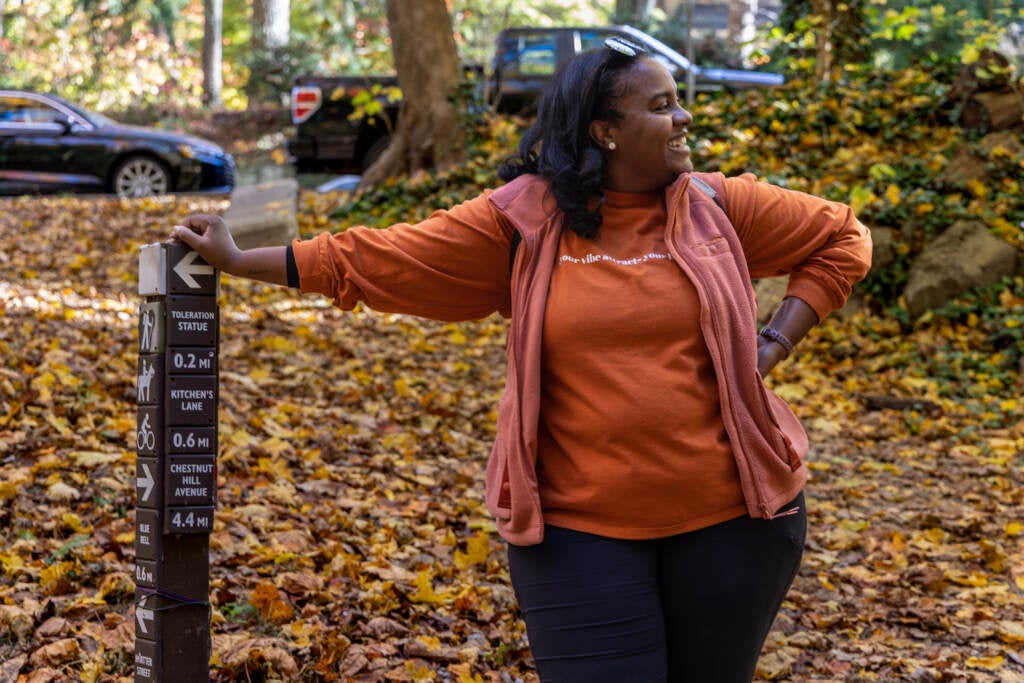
624 47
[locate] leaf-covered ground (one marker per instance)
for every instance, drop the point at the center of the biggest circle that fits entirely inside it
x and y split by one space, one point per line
351 540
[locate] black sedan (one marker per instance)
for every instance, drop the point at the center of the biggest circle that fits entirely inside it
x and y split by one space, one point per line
49 145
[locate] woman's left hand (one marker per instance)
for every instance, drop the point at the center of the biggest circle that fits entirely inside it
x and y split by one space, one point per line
769 354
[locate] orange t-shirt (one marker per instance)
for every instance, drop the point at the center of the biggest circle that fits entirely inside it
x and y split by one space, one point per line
631 442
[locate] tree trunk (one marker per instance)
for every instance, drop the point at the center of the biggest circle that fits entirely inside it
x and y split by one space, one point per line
741 26
633 11
270 24
824 12
427 133
268 59
994 110
213 80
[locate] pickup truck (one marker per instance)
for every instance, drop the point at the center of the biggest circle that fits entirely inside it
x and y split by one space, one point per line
327 136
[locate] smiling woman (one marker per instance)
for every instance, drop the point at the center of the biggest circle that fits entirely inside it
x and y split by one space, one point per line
49 145
650 486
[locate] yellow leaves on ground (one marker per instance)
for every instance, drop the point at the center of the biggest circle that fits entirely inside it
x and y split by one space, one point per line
74 522
60 491
276 343
266 598
11 563
56 579
56 653
988 663
351 539
479 548
425 591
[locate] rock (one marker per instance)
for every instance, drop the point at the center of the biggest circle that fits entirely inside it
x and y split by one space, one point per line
882 252
970 160
965 256
264 215
769 293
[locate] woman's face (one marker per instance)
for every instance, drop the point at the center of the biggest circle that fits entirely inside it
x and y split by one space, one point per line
650 148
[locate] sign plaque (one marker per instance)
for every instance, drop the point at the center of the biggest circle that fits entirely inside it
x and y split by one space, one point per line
192 321
176 464
172 268
190 480
191 400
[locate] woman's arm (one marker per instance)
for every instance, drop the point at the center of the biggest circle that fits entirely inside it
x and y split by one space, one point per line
819 244
453 265
793 319
209 236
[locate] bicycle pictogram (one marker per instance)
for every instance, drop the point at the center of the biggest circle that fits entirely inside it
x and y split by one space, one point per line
145 438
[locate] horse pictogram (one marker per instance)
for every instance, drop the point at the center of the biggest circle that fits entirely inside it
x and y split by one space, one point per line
146 374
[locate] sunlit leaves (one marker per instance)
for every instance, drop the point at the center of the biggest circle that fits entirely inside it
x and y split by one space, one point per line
351 538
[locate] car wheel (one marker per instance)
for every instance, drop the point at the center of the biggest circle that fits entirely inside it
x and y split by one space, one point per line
141 176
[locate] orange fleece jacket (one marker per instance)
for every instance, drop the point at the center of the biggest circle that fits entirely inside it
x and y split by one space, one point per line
454 266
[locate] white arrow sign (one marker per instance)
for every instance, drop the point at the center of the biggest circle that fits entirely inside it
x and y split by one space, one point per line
146 482
185 269
142 615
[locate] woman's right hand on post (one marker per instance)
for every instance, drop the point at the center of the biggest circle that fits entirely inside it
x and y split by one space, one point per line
209 235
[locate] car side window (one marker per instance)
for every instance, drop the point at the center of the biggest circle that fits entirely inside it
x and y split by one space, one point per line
26 111
537 54
591 39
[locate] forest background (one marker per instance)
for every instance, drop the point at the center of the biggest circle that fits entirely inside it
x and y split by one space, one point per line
351 542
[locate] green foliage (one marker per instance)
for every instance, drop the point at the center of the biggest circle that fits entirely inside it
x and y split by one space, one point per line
348 38
371 103
848 30
897 34
940 36
104 56
162 15
878 141
240 613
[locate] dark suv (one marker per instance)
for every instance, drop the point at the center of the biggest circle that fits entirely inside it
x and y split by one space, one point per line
525 59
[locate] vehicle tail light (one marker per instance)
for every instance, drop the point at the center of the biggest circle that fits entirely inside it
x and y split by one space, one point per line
306 100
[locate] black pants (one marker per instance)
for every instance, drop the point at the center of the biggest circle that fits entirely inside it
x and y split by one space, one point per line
691 608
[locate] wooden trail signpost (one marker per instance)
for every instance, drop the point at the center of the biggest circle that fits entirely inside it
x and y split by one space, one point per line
176 470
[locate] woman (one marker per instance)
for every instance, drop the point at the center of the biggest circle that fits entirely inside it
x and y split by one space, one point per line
648 484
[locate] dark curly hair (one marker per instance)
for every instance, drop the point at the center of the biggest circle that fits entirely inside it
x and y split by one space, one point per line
558 145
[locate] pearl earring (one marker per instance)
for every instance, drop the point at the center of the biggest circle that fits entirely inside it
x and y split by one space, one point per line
611 145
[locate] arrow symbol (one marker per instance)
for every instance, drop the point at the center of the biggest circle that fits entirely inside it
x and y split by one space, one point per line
185 269
142 615
145 482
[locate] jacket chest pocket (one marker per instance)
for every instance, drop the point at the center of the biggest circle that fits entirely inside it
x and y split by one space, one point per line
711 248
